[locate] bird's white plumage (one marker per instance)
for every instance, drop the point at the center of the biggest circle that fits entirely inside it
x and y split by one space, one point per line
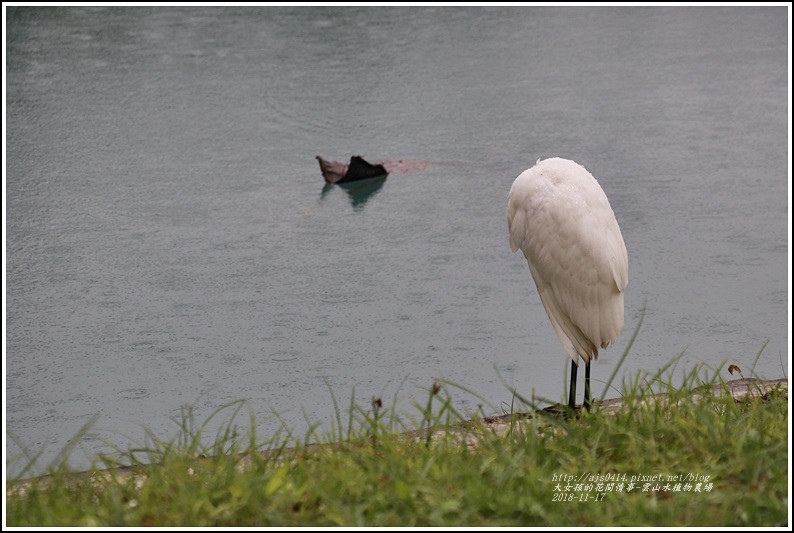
559 216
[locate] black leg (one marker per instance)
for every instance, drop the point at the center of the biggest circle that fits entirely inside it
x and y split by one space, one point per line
587 385
572 389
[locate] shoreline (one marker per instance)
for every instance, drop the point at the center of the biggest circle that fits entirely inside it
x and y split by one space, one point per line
500 424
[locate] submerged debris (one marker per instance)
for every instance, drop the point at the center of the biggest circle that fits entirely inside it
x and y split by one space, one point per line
357 169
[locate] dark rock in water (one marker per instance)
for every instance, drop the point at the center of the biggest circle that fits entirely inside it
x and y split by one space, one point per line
358 169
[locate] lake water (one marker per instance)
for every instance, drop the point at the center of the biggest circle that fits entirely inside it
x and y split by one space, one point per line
170 240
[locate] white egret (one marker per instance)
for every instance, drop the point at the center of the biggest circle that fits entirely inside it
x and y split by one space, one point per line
559 216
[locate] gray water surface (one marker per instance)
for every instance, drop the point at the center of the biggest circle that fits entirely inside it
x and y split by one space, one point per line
170 240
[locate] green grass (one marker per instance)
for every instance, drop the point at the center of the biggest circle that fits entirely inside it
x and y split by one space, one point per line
368 475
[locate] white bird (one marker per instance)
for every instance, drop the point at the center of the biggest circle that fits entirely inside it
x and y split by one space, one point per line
559 216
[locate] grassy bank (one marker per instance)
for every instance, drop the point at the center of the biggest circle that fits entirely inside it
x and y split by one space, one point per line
673 461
